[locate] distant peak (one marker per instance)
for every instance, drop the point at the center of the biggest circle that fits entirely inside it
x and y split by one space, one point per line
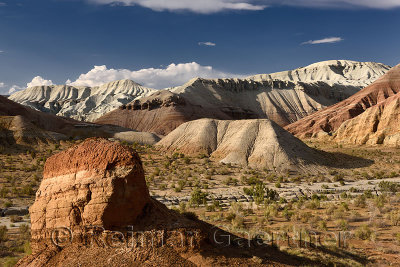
124 81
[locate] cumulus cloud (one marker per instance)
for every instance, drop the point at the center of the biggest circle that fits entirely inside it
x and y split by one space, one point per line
203 6
39 81
14 89
329 40
207 44
212 6
172 75
2 85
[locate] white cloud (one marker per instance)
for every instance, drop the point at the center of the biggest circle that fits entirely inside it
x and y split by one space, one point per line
329 40
172 75
203 6
2 85
39 81
212 6
14 89
207 44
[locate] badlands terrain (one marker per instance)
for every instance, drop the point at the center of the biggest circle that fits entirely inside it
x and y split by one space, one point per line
282 97
297 168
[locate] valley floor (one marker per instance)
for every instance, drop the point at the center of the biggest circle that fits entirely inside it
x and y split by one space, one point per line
358 197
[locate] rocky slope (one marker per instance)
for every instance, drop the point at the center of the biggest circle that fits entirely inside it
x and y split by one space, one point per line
281 101
81 103
290 96
373 99
22 125
379 124
257 143
332 72
93 209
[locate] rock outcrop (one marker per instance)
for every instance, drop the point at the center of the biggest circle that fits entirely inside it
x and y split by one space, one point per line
95 183
93 209
81 103
258 143
379 124
329 120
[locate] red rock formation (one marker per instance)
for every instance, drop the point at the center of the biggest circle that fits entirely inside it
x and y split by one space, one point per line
379 124
330 119
95 183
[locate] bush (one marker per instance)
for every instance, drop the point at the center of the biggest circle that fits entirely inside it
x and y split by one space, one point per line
363 232
343 225
198 197
3 233
360 201
380 201
238 222
389 187
24 232
4 192
186 160
287 213
394 217
10 261
322 225
313 204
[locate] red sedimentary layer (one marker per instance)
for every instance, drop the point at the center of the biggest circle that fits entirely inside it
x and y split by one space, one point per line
329 119
93 154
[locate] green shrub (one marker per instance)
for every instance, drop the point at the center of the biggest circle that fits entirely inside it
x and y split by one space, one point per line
3 233
363 232
198 197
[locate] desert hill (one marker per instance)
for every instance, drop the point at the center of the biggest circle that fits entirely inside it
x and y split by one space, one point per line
379 124
372 108
81 103
96 191
283 101
22 125
332 72
259 143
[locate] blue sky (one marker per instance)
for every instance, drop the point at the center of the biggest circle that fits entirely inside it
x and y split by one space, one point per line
140 39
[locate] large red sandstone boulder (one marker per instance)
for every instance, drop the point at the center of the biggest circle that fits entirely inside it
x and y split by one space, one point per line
96 183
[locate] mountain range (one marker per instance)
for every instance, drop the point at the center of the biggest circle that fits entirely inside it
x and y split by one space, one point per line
283 101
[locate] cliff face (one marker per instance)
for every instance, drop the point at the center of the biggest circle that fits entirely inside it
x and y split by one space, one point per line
330 119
